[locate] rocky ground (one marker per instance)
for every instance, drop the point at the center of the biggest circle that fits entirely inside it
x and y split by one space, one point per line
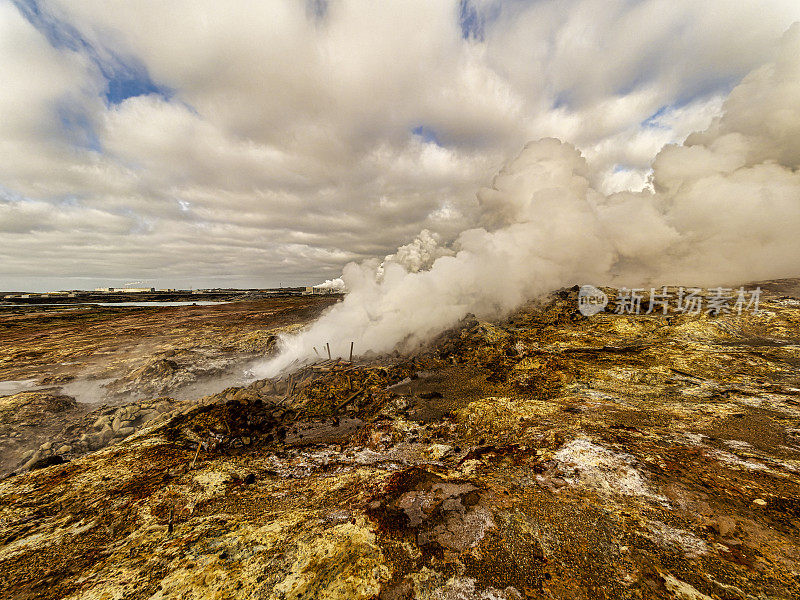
78 379
547 455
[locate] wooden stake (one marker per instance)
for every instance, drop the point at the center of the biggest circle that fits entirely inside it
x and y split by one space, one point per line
329 350
315 350
350 398
351 351
195 455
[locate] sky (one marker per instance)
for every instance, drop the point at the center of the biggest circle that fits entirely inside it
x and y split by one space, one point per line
253 144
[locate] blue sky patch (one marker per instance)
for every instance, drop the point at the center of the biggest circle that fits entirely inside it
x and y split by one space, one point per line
474 19
130 83
126 76
70 200
653 121
77 127
317 9
427 134
8 195
563 99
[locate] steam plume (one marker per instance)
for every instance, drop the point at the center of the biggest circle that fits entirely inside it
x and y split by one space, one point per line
334 285
724 209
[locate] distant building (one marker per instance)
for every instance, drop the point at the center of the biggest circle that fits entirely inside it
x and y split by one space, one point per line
315 289
125 290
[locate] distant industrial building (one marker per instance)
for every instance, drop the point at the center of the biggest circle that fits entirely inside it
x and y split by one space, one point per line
125 290
315 289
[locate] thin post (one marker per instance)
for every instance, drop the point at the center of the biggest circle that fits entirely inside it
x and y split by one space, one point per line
315 351
329 349
351 351
195 456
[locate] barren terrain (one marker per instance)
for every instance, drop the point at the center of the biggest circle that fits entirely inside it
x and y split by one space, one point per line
545 455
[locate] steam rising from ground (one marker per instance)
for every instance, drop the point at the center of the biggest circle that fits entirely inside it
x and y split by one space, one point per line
724 209
333 285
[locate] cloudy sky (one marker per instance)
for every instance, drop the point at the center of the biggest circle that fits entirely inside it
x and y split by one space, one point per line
206 143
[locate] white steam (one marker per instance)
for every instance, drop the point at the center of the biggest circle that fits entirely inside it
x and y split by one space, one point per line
333 285
417 256
725 209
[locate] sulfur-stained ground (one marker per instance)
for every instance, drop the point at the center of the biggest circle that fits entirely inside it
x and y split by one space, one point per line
545 455
77 378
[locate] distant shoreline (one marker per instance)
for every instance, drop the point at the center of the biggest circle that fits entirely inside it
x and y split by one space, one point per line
106 300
